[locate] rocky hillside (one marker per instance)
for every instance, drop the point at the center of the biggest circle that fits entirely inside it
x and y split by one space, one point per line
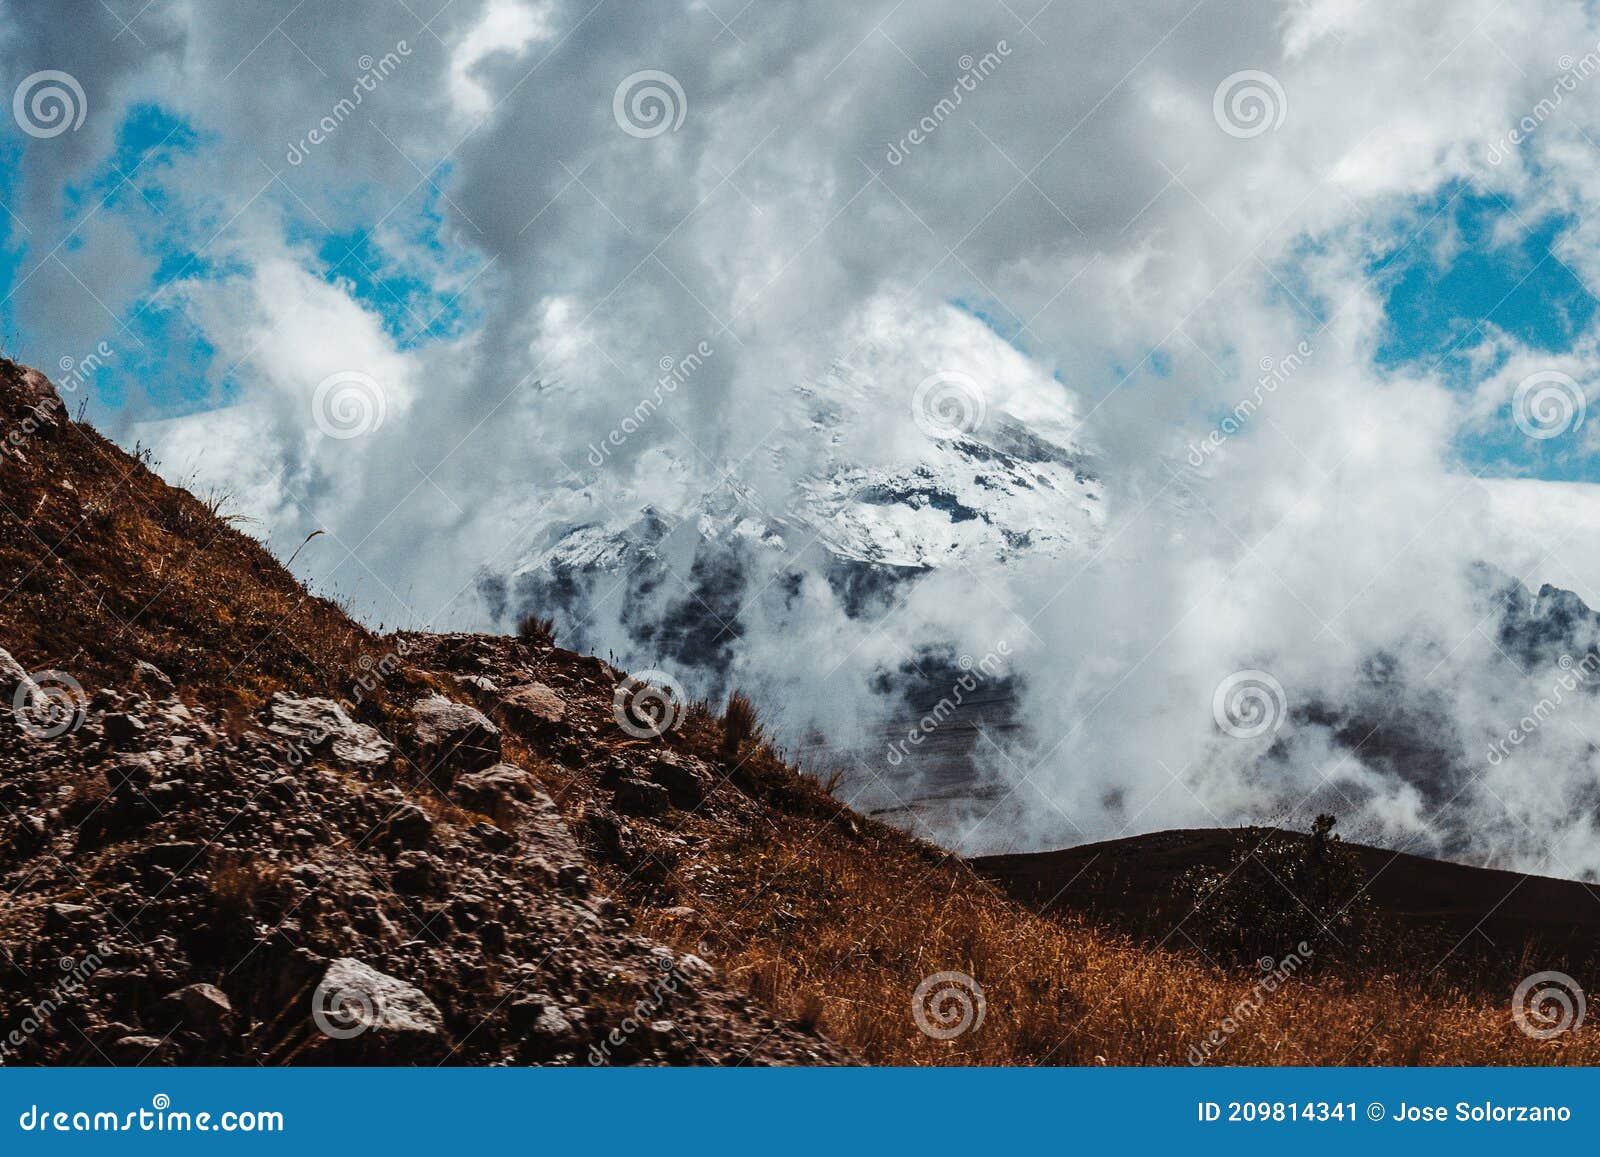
237 828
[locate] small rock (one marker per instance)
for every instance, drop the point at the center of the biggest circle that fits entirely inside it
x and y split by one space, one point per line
544 1027
535 706
31 834
361 746
574 878
173 855
151 677
695 968
68 917
414 872
616 770
685 782
12 674
205 1007
491 837
141 1050
317 726
498 792
121 727
409 827
637 798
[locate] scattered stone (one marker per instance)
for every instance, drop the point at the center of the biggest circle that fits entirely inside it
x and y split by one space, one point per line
320 726
205 1008
414 872
150 677
12 675
176 855
498 792
60 918
535 706
409 827
122 727
636 797
134 1051
615 771
493 838
684 781
696 969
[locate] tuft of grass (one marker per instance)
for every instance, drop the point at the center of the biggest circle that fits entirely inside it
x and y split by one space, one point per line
240 883
535 629
739 726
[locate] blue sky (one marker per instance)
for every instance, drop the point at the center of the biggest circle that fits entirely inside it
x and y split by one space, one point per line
400 269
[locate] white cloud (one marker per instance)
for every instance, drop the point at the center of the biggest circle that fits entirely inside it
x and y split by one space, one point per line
1083 197
504 27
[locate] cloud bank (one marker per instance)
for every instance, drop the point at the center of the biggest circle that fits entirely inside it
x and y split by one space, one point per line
394 272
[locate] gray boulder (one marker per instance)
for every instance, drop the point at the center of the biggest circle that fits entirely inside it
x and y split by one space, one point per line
452 737
321 727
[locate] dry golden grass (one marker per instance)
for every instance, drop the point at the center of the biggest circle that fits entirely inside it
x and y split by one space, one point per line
837 927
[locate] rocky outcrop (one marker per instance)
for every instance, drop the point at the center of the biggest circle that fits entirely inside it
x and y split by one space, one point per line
318 726
265 889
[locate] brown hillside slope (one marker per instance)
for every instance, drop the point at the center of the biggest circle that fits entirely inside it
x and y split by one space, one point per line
472 861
